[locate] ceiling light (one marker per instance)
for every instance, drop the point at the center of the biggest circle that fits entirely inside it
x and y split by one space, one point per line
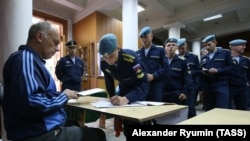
213 17
140 7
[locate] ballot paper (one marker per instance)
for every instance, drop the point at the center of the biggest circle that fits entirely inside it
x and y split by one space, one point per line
91 91
104 103
153 103
72 101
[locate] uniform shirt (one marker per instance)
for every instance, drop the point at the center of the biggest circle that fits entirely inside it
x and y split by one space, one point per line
131 84
153 62
179 77
192 62
68 72
238 76
223 62
31 105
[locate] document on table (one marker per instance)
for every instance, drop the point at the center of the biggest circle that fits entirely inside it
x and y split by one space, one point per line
72 101
91 91
106 104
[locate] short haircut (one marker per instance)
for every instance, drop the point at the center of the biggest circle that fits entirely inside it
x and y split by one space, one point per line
44 27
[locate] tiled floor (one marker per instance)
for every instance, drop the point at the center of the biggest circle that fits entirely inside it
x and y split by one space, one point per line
109 130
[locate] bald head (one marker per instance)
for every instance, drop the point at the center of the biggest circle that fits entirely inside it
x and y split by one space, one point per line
44 39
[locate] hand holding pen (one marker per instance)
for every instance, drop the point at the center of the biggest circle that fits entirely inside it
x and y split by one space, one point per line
118 100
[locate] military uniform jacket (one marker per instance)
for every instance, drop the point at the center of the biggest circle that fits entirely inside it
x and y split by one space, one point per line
239 74
153 62
192 62
179 77
223 62
131 84
68 72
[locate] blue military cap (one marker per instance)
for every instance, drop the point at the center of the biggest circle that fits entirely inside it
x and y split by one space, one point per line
171 40
181 42
107 44
144 31
208 38
237 42
71 43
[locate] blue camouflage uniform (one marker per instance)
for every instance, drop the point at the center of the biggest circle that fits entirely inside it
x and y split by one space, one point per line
69 72
153 63
216 86
238 86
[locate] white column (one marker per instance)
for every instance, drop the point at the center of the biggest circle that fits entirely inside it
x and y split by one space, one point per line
130 24
174 29
174 32
196 47
16 18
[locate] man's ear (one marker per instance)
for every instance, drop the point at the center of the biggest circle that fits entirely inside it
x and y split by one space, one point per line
39 36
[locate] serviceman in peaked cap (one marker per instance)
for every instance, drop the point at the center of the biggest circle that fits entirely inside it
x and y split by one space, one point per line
239 82
122 65
70 68
216 66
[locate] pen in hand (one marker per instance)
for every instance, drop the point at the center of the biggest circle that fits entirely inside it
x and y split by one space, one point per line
117 91
115 99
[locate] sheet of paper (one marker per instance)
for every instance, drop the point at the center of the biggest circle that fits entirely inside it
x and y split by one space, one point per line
91 91
150 103
72 101
107 104
153 103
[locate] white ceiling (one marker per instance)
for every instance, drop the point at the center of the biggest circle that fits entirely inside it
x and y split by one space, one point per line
162 13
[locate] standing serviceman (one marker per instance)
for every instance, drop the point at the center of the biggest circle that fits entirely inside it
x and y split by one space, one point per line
178 83
216 66
193 64
70 68
238 84
152 58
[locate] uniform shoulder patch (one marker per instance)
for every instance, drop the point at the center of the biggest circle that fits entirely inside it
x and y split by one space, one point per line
128 57
107 70
246 57
181 57
225 49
